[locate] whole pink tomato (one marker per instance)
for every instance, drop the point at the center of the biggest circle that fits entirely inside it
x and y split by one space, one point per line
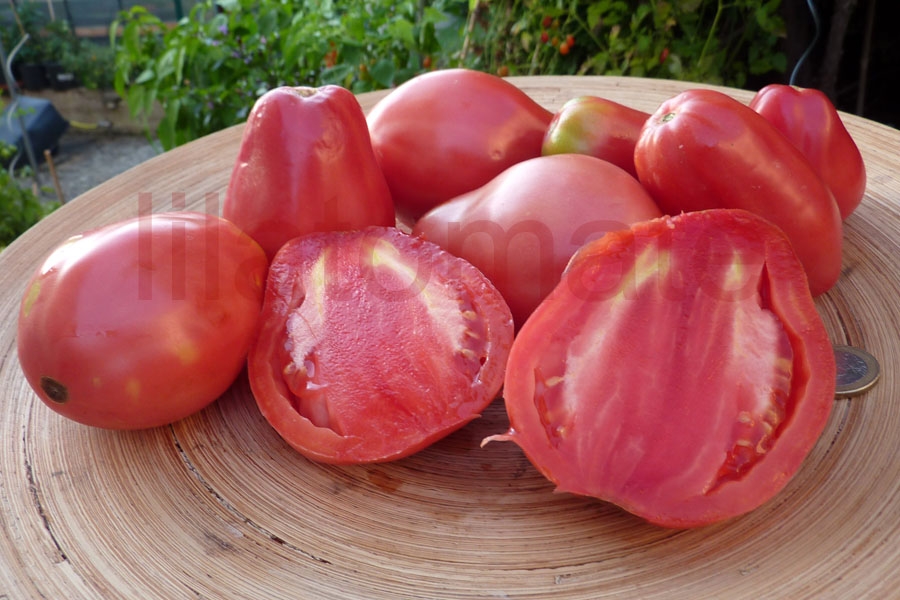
448 132
142 322
521 228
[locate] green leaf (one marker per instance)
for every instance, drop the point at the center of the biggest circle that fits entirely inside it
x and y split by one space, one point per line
291 49
448 34
135 100
166 64
383 72
355 26
268 23
644 44
337 74
166 130
779 62
352 53
179 65
145 76
114 32
402 30
131 39
433 15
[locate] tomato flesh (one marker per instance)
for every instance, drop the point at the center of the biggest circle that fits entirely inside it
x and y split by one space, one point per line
679 370
375 344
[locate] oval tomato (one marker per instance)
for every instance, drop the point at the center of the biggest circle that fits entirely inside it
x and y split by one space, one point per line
704 149
597 127
374 344
143 322
679 370
521 228
444 133
809 119
291 175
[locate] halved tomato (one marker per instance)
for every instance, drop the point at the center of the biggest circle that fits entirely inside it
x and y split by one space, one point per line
374 344
679 370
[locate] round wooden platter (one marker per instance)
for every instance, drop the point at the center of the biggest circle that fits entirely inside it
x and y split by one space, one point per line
217 506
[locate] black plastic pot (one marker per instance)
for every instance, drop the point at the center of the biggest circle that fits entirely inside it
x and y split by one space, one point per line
60 78
33 76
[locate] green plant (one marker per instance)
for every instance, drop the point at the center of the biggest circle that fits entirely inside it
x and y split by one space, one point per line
57 41
54 41
92 63
696 40
29 19
209 68
20 206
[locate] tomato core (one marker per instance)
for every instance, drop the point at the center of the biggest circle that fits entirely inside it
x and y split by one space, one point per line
768 375
315 367
750 350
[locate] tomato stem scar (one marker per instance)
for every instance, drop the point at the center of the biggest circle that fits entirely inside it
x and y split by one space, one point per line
54 389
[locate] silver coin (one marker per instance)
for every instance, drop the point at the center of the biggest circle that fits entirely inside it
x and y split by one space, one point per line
857 371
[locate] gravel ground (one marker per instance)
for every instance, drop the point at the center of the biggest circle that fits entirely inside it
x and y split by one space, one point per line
84 159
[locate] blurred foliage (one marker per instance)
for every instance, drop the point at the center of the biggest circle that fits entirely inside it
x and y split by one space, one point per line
54 41
20 206
692 40
207 70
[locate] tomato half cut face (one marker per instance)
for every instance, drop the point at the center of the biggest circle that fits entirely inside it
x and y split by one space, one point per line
679 370
374 344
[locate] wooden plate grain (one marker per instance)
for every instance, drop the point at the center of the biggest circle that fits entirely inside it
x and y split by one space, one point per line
218 507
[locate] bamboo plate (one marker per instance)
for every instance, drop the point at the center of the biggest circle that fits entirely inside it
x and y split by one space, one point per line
217 506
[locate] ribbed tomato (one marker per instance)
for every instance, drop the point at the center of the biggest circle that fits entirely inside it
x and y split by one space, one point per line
679 370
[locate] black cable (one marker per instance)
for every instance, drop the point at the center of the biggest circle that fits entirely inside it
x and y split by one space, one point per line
818 26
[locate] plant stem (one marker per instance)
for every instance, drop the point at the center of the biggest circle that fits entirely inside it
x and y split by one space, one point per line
470 26
720 5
